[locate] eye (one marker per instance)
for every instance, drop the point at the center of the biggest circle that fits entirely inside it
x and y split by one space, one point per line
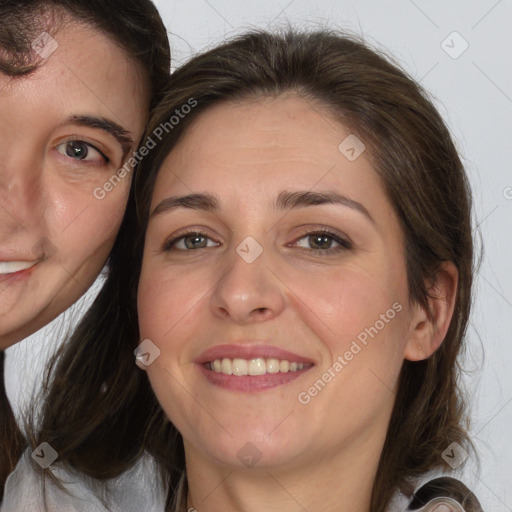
323 241
81 151
190 241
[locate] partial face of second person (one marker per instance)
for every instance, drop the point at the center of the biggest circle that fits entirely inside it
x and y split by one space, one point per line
268 252
65 130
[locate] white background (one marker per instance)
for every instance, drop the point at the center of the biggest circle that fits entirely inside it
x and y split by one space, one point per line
474 94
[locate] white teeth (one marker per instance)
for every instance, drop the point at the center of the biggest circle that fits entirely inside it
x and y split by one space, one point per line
240 367
272 365
10 267
258 366
226 366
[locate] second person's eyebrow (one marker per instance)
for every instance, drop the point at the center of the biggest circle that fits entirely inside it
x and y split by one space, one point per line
302 198
205 202
285 200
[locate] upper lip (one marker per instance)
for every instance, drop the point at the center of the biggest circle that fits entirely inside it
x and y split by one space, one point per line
8 255
232 351
21 259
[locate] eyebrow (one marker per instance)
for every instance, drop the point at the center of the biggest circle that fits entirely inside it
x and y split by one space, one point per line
204 202
285 201
123 136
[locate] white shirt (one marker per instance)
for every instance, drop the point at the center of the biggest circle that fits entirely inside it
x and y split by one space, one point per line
29 489
137 490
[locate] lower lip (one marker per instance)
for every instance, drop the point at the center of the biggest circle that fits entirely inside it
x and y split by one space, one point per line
251 383
17 276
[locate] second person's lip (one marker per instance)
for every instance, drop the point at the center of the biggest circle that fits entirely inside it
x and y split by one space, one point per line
244 366
251 383
255 367
249 352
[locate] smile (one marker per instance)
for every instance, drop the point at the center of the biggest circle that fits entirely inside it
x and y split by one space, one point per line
258 366
248 367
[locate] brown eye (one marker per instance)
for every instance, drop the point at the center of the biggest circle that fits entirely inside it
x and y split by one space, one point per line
323 241
190 241
195 241
320 241
81 151
77 150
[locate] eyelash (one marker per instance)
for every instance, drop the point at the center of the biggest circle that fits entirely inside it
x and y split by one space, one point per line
169 244
343 244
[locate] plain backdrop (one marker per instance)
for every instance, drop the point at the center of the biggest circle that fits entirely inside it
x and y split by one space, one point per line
460 51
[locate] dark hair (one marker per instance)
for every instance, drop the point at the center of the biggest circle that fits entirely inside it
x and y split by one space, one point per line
136 26
413 153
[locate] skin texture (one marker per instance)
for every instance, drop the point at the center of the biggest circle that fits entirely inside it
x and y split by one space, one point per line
48 211
318 456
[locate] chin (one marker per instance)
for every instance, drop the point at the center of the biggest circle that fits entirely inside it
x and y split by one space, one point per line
249 451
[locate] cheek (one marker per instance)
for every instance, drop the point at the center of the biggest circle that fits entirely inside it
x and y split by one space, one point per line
342 305
170 299
361 324
167 312
84 228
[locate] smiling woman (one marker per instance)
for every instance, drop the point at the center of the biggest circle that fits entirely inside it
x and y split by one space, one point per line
306 229
77 79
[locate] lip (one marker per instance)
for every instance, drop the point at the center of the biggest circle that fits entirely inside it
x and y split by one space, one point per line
7 255
17 252
21 274
248 351
250 383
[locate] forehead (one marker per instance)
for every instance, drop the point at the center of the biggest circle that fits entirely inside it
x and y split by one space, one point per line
264 142
79 69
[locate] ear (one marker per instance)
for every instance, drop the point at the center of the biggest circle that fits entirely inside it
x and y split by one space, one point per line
427 332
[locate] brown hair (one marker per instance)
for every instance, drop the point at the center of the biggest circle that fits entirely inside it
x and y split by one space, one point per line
136 26
414 155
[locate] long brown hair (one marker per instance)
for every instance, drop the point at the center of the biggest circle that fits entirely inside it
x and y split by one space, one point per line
101 415
133 24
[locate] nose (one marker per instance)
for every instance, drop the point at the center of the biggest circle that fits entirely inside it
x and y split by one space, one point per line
248 292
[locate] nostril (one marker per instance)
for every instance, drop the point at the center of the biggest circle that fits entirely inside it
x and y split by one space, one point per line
224 312
261 313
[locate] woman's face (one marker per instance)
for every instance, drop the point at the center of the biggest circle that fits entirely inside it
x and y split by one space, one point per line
273 250
65 132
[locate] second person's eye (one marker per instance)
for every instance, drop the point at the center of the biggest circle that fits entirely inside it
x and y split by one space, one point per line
322 241
190 241
81 151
